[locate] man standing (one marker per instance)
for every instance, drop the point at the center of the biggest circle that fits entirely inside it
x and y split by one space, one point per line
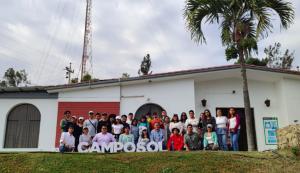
65 122
123 120
91 124
157 134
193 121
104 121
67 141
191 139
104 137
129 118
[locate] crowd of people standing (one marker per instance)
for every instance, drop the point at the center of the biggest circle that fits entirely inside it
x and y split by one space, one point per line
176 133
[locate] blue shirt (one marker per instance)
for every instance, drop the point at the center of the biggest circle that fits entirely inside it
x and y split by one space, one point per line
157 136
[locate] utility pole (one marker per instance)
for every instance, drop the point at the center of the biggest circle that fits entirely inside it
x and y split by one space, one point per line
69 71
87 44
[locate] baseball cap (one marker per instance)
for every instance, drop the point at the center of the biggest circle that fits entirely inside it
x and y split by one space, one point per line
118 117
209 126
81 118
91 112
74 117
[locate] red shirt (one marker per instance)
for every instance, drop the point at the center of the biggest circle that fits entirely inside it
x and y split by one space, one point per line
156 120
177 142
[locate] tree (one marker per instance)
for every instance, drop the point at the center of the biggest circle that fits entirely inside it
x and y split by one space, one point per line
255 61
125 75
242 24
145 65
74 80
276 59
13 78
86 78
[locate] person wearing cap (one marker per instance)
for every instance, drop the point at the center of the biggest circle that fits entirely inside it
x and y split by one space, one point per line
66 121
91 123
175 142
157 134
104 137
104 121
126 136
210 139
85 137
117 128
67 141
192 141
176 123
193 121
144 137
155 120
143 124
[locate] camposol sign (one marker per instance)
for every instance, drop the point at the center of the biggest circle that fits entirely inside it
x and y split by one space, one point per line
114 147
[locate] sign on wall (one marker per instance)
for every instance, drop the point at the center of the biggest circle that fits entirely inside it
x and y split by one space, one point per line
270 127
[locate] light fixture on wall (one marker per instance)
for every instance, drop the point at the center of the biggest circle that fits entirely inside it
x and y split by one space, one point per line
203 102
268 102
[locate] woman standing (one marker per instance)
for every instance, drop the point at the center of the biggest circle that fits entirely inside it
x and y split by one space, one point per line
167 131
175 123
208 119
183 118
221 123
117 128
234 128
135 130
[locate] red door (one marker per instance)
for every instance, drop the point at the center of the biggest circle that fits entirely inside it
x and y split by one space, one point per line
82 109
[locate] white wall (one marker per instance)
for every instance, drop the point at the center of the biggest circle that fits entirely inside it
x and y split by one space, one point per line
218 93
173 96
48 110
291 92
104 94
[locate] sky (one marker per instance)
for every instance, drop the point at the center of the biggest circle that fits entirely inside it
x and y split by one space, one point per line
43 37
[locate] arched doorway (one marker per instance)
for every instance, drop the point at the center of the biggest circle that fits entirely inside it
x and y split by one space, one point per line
23 127
148 108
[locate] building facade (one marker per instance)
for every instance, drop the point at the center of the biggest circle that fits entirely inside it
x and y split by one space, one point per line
176 92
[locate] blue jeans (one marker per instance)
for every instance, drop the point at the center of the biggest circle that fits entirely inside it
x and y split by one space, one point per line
222 138
63 149
234 137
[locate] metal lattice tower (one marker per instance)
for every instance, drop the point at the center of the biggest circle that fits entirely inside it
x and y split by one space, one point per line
87 44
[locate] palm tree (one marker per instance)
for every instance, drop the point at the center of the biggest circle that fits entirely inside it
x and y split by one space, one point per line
242 23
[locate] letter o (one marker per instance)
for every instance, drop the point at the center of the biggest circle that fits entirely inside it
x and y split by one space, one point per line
127 145
149 149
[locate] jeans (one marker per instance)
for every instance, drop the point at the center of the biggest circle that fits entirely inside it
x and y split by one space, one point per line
222 138
234 137
63 149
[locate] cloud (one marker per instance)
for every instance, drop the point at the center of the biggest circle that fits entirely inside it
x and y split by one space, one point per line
44 36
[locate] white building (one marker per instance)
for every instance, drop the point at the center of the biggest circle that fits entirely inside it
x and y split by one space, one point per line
29 117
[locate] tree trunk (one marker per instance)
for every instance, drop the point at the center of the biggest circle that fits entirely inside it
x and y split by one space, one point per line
248 114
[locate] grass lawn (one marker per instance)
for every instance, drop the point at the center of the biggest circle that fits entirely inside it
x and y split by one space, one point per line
165 162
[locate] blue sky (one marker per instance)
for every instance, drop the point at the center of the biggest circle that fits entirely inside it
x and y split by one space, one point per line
42 37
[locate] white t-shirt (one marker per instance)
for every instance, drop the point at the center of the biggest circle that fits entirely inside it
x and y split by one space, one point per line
117 128
91 125
178 125
221 121
232 123
194 122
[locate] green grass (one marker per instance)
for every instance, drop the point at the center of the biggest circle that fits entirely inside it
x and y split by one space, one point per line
164 162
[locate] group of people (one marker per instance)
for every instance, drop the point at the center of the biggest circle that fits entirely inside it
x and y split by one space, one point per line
176 133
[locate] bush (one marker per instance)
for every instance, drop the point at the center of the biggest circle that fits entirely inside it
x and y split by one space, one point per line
296 151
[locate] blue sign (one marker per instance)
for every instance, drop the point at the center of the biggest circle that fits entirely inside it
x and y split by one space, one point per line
270 128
